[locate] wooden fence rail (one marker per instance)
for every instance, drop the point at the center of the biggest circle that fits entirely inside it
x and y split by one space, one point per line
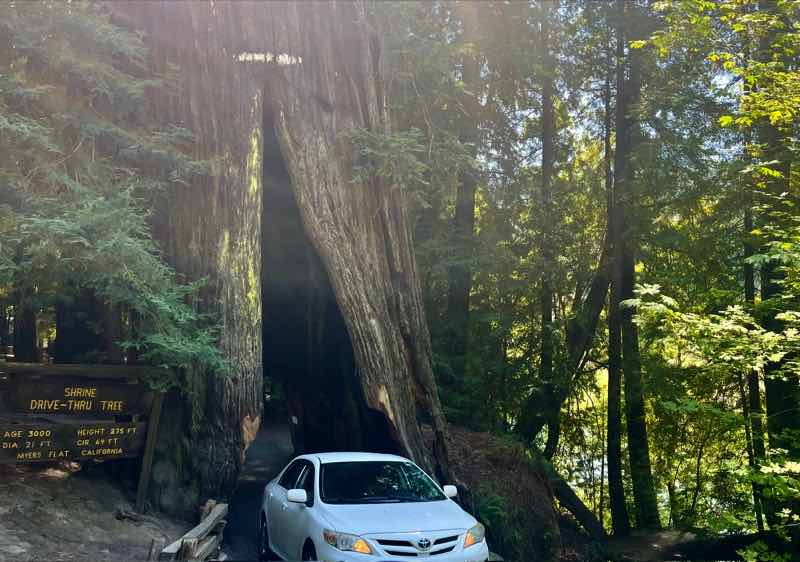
201 542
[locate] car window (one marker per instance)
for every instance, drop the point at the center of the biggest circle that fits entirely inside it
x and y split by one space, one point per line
289 478
306 482
376 482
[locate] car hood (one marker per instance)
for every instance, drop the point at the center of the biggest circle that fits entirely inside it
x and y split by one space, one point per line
363 519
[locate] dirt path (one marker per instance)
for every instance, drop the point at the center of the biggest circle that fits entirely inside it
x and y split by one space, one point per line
265 457
61 513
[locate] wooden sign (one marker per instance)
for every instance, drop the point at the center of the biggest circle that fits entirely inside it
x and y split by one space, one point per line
24 440
71 395
51 413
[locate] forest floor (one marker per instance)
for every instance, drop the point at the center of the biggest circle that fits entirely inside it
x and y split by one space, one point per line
63 512
266 456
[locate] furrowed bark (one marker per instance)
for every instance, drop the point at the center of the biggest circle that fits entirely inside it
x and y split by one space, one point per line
210 229
359 228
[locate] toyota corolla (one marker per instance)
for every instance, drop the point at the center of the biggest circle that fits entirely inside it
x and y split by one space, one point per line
347 507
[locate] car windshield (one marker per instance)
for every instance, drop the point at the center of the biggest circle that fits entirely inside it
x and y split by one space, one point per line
376 482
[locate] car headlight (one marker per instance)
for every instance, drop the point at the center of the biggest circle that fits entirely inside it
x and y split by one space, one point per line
475 535
343 541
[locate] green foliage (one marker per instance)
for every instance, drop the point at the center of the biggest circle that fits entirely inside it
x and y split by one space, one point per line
716 135
502 532
83 160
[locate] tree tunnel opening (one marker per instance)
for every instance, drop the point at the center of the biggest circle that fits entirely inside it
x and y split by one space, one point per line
307 350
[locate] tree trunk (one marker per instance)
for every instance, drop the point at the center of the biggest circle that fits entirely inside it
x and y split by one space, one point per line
459 273
25 348
545 244
751 404
359 229
78 339
570 501
620 521
4 331
782 393
211 230
638 449
544 404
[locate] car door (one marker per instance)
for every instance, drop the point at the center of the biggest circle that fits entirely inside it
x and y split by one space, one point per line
278 505
298 515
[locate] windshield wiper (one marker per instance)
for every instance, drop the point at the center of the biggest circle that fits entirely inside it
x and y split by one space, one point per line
380 499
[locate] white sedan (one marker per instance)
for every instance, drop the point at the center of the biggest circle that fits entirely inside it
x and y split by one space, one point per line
348 507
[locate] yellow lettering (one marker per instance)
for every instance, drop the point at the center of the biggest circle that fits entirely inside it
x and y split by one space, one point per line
80 392
111 405
29 455
49 405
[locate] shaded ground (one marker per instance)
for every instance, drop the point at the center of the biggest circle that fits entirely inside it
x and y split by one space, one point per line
57 512
267 455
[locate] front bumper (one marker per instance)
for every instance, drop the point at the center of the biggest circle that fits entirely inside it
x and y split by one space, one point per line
475 553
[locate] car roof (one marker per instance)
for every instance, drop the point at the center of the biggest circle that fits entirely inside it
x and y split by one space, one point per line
325 458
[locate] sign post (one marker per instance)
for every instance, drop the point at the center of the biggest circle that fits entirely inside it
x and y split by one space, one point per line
149 451
51 413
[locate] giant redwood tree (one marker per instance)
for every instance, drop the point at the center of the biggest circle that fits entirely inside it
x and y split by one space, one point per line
298 79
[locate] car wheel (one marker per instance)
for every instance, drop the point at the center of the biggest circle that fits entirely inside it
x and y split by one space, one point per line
309 552
264 551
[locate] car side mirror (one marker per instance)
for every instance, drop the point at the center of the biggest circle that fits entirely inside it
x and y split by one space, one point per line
450 491
297 495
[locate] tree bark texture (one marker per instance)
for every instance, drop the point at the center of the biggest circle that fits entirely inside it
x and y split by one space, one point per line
315 69
359 229
210 229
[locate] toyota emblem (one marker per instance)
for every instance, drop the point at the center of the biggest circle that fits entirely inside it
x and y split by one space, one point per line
424 544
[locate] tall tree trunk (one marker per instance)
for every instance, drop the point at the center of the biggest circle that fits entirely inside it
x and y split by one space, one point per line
782 393
337 88
211 230
544 405
545 245
317 69
620 520
4 326
752 406
459 273
628 91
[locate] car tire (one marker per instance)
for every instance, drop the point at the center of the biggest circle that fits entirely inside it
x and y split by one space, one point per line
309 552
264 551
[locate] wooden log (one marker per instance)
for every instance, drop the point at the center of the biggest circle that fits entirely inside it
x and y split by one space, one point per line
207 547
205 527
149 451
170 552
188 549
